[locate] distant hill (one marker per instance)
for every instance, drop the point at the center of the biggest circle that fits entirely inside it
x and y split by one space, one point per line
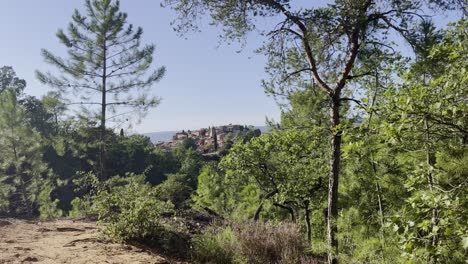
167 135
160 136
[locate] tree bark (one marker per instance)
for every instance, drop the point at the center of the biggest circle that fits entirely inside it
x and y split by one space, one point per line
333 180
307 222
260 207
257 212
102 143
430 161
289 209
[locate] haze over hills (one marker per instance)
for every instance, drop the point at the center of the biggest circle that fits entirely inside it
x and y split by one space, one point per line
167 135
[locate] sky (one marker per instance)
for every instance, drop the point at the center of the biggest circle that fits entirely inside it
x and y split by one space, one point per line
207 82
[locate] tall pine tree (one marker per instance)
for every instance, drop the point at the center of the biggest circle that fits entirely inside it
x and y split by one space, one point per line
106 66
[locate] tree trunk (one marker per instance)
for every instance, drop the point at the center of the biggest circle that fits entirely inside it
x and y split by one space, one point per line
333 180
430 161
381 215
289 209
257 212
307 222
378 189
260 207
102 143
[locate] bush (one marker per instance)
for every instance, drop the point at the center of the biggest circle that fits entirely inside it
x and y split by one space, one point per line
81 207
130 212
129 209
175 190
216 246
48 208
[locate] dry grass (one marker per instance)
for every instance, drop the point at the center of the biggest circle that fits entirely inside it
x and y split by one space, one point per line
253 243
264 243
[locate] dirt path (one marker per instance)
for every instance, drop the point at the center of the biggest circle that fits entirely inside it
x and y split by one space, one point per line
64 241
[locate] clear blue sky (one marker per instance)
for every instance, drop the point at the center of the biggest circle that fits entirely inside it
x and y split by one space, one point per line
207 82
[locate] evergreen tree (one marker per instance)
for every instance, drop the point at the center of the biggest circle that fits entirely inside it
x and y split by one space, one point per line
22 171
8 80
105 60
215 140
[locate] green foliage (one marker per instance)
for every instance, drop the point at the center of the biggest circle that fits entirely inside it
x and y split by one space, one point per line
128 154
175 189
47 206
211 189
287 167
216 246
403 188
105 58
23 174
9 81
80 207
427 125
129 209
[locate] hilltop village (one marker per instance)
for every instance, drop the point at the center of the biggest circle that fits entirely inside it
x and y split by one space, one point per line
211 139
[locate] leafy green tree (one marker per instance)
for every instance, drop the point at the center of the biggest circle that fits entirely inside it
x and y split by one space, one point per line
288 172
105 61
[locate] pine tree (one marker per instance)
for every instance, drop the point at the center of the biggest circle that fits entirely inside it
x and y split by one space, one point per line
22 171
106 60
8 80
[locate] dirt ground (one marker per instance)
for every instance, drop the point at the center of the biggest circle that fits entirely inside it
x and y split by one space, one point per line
64 241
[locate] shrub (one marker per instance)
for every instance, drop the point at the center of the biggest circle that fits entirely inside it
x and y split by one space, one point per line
216 246
129 209
175 190
81 207
130 212
47 207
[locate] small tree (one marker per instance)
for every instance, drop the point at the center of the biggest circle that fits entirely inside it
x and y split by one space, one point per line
105 60
282 164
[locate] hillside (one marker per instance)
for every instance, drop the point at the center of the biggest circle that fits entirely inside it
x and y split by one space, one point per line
165 136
